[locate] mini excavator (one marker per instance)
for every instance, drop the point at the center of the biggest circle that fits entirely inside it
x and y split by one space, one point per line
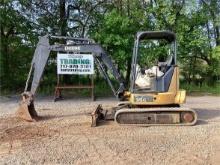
153 98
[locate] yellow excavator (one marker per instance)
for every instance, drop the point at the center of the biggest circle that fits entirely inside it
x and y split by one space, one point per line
153 97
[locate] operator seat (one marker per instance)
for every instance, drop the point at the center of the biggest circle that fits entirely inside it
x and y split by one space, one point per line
164 66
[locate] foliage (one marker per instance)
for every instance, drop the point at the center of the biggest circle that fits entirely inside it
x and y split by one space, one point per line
113 24
215 67
116 35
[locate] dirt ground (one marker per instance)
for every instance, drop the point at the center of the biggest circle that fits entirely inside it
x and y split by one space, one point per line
64 136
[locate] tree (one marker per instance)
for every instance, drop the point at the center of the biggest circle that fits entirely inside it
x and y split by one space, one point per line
113 24
14 44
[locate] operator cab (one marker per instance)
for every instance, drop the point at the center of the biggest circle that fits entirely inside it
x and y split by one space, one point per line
154 59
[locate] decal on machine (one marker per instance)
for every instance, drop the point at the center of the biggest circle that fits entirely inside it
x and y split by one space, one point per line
72 48
144 98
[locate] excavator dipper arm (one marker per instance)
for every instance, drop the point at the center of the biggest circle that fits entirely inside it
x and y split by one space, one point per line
26 109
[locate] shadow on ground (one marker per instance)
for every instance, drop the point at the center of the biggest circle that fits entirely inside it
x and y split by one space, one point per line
204 116
207 114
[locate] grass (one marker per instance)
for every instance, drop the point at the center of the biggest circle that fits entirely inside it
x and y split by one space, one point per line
102 89
205 89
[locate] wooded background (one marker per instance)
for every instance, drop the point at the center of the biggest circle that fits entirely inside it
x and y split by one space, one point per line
113 24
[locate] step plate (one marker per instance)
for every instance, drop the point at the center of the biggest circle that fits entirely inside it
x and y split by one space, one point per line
156 116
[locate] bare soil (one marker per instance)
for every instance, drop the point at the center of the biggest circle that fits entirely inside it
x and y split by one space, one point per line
63 136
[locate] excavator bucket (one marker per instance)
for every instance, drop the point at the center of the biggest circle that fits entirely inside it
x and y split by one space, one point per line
26 110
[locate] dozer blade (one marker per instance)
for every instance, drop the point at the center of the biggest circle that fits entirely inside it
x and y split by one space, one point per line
98 115
156 116
26 110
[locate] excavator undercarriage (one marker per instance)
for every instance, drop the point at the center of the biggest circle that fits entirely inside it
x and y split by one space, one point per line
124 115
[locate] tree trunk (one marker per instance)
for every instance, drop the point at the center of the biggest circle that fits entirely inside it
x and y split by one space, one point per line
209 36
128 72
63 21
5 61
63 32
217 35
128 8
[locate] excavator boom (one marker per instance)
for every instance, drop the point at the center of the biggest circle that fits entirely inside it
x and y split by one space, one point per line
26 109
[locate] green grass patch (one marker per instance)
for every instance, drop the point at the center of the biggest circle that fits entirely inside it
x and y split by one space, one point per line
205 89
102 89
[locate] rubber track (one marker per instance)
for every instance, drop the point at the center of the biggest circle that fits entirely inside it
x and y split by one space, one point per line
156 110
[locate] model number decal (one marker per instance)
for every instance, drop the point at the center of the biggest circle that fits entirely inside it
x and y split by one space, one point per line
144 98
72 48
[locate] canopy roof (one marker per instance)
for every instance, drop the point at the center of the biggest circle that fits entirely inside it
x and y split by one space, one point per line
167 35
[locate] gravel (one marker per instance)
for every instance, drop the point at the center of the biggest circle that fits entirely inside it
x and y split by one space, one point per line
64 136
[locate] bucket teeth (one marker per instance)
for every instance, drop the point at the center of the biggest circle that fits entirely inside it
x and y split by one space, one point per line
26 110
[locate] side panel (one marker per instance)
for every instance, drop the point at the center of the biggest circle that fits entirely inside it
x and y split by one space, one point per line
152 99
174 84
173 96
180 97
